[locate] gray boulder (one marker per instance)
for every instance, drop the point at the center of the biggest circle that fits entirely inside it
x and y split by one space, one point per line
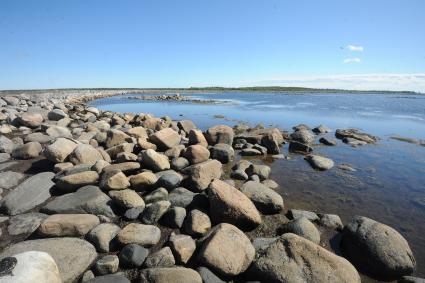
304 228
30 193
88 199
265 199
377 248
292 258
73 256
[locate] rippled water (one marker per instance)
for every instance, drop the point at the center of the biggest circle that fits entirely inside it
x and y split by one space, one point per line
389 184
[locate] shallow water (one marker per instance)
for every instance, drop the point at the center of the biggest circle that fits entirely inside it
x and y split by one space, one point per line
389 184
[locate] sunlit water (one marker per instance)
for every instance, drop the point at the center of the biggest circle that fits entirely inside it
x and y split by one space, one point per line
389 184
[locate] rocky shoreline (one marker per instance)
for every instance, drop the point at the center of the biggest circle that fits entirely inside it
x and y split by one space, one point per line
98 196
176 98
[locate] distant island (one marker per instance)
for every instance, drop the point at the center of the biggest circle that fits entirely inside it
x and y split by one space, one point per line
64 91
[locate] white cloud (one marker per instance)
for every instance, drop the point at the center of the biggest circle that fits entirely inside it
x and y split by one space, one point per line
352 60
400 82
354 48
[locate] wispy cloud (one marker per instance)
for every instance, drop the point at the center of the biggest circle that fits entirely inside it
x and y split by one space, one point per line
401 82
355 48
352 60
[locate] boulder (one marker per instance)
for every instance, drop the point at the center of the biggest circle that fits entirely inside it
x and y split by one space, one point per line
319 162
331 221
10 179
113 180
186 125
127 198
102 235
174 217
266 200
30 193
107 265
162 258
321 129
220 134
377 249
143 181
227 250
197 223
169 274
303 136
165 138
133 255
144 235
299 147
138 132
200 175
58 132
197 137
222 152
355 134
88 199
59 150
27 151
73 256
292 258
33 266
30 120
196 154
327 141
23 225
154 160
85 154
75 181
183 247
295 214
229 205
115 137
154 211
304 228
56 115
6 145
62 225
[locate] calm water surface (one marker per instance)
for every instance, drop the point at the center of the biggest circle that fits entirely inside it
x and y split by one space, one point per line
389 184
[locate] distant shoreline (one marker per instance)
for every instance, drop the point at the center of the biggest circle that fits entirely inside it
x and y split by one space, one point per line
276 89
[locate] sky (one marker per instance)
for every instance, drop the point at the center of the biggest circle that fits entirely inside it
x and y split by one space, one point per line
362 44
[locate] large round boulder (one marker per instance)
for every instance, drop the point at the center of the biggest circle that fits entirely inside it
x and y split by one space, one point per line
377 248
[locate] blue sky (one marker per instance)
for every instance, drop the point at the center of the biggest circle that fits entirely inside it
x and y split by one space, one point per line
360 44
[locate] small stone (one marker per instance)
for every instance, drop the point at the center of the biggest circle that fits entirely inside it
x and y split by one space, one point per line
197 223
155 161
72 182
165 138
10 179
156 195
183 247
222 152
59 150
162 258
227 250
133 255
295 213
74 225
107 265
304 228
114 180
227 204
144 235
179 163
154 211
102 235
143 181
319 162
169 274
331 221
196 154
328 141
127 199
220 134
27 151
174 217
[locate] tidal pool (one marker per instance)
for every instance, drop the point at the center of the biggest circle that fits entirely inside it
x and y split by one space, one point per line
389 182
